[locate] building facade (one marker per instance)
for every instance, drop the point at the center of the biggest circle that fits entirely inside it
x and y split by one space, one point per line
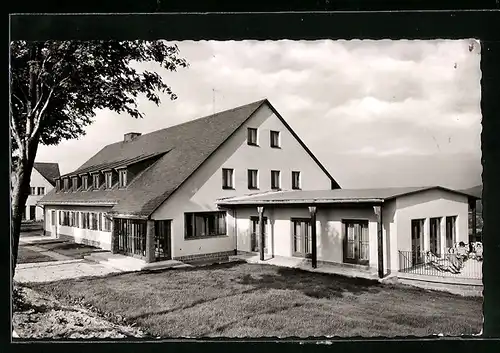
211 187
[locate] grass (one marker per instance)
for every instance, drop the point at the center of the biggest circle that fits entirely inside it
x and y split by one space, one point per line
77 251
26 255
248 300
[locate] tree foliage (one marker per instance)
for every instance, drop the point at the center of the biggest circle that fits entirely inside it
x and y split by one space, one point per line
74 79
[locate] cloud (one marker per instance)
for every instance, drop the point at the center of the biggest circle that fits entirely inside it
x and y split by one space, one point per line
355 99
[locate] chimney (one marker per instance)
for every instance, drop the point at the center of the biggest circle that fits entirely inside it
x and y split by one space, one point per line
131 136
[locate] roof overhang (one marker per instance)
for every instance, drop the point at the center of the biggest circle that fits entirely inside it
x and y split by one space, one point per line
78 203
127 215
298 202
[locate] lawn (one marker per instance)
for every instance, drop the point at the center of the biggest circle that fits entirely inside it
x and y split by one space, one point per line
74 250
26 255
248 300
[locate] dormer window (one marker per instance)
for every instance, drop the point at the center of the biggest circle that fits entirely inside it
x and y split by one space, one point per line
122 178
58 185
75 183
109 180
66 184
85 182
95 181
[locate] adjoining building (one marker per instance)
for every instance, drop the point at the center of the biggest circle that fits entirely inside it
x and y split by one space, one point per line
208 188
42 182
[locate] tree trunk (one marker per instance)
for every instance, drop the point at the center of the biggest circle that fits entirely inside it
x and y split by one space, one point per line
20 194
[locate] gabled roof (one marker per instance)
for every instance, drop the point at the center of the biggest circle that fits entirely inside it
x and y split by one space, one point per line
180 150
331 196
476 191
49 171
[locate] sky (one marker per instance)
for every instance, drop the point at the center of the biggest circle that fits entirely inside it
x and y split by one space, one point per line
375 113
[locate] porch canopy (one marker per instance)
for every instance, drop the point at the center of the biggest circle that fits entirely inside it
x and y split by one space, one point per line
315 198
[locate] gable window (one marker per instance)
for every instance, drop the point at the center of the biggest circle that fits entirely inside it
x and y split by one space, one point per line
122 178
275 139
275 179
32 190
252 136
109 180
205 224
95 181
296 180
253 179
227 178
85 182
41 191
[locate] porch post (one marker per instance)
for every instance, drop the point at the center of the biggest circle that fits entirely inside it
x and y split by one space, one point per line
260 210
150 241
312 211
380 241
474 225
114 236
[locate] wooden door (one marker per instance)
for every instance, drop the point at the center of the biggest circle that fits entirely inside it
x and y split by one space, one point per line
163 238
356 242
254 234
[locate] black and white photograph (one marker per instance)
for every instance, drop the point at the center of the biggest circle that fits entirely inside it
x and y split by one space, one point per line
246 188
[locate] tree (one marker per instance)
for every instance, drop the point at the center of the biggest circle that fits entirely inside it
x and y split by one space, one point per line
56 88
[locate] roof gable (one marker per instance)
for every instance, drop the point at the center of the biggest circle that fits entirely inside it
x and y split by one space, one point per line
180 149
49 171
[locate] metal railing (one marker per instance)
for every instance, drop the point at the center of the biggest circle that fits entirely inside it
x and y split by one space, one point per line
444 265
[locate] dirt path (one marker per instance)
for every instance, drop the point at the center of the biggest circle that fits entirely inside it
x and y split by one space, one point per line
39 315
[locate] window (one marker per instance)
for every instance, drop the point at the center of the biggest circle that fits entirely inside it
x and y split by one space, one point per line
32 190
71 224
253 176
58 185
85 182
451 231
66 184
207 224
275 139
227 178
252 137
107 223
75 183
95 181
275 179
64 218
95 221
109 180
41 191
296 180
122 177
99 216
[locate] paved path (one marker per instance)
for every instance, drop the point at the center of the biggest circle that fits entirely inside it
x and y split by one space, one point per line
58 270
56 256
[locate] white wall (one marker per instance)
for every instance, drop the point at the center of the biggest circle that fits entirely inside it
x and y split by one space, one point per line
390 235
80 235
430 204
201 190
37 180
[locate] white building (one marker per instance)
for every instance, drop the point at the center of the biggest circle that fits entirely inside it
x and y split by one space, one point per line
42 182
201 190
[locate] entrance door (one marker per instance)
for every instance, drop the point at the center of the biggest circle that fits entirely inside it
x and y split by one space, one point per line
435 236
254 236
301 237
53 223
356 242
417 239
32 212
163 236
450 231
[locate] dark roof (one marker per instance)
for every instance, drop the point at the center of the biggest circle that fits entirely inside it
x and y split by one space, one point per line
476 191
49 171
330 196
180 150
